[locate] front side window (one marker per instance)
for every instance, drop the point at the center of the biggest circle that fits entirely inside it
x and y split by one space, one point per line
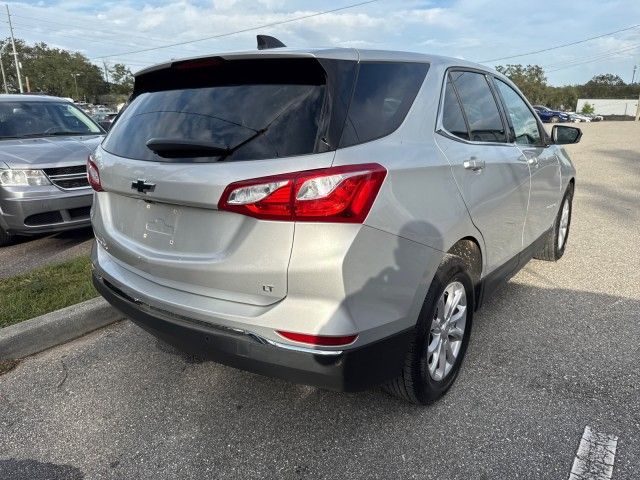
30 119
524 122
485 122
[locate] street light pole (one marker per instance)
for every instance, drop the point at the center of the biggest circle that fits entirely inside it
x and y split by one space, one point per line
15 54
4 77
75 80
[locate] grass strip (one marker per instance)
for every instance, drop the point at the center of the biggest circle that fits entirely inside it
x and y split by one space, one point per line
44 290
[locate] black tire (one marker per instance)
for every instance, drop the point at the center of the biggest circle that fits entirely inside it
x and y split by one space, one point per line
550 251
415 384
5 238
555 119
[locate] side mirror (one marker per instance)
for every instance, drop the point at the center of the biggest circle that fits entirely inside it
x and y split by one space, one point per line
564 135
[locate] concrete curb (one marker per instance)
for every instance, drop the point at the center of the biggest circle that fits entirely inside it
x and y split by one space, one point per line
54 328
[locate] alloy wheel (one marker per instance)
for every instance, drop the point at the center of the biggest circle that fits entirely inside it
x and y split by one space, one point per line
563 228
447 331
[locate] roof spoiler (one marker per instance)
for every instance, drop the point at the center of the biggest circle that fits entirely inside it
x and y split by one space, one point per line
266 42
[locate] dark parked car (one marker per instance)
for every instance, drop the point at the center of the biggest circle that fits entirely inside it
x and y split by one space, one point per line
551 116
44 144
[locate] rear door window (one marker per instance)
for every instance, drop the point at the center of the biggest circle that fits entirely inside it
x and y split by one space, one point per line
382 97
479 104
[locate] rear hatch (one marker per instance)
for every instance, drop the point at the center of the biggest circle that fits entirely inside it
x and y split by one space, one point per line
191 129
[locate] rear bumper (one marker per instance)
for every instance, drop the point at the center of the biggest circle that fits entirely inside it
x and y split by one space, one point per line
43 211
349 370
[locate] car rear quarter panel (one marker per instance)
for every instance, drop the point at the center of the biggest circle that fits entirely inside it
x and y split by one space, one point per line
418 215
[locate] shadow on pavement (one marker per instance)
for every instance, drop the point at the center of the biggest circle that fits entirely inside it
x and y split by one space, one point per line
34 470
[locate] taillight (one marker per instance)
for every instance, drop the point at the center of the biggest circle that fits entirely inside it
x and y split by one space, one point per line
93 175
320 340
336 194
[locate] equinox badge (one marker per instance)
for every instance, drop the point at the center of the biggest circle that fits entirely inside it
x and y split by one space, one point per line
143 186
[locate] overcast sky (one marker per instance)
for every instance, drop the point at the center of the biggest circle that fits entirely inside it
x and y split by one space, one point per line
469 29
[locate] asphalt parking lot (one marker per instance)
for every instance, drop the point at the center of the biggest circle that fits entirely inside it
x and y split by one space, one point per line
556 350
27 253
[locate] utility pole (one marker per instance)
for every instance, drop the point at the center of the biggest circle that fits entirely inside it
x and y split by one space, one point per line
633 77
15 54
4 77
106 71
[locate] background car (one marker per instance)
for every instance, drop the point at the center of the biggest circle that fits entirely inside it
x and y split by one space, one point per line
578 117
44 144
551 116
104 118
594 117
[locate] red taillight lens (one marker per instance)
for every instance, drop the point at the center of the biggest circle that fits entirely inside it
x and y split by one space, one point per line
320 340
337 194
93 175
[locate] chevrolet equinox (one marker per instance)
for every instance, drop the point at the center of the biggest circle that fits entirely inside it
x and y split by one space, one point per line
333 217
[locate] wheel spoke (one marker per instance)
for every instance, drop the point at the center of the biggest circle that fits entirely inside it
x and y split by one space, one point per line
433 345
435 357
456 334
442 360
451 357
460 314
452 302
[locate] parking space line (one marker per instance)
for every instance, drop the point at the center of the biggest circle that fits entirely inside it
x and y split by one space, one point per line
595 456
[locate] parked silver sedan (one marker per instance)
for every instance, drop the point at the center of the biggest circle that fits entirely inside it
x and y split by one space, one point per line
332 217
44 145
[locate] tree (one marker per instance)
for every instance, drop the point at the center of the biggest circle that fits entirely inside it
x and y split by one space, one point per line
52 70
606 85
587 108
121 79
531 80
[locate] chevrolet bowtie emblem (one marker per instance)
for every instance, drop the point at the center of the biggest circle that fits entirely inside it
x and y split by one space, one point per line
143 186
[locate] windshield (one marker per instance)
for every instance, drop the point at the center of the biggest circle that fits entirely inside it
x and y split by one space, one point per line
43 119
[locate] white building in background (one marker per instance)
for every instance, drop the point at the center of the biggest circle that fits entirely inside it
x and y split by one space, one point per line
608 106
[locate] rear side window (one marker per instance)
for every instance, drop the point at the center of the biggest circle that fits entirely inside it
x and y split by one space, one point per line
478 102
525 125
452 118
383 95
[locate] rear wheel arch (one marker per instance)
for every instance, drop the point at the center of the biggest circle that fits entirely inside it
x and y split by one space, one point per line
469 250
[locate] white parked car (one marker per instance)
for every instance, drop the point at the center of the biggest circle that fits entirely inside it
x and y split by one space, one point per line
578 117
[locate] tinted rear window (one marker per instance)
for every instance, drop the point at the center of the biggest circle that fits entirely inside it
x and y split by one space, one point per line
260 115
266 108
383 94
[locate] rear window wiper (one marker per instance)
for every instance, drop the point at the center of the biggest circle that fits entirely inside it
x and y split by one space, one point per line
179 148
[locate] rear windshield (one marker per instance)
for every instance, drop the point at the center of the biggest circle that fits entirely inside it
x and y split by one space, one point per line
43 119
259 109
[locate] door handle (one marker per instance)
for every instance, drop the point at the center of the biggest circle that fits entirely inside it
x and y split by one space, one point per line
474 164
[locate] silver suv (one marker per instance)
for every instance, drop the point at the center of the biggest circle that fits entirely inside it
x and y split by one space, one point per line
44 143
332 217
